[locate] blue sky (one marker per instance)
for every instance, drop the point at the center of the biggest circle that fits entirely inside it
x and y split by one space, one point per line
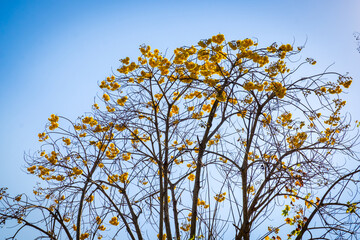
53 53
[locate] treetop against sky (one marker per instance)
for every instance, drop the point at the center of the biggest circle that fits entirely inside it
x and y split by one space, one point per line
212 141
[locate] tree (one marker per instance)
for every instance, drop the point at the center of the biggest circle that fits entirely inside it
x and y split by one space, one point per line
218 139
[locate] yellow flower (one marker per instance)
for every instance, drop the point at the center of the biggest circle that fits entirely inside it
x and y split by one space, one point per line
102 228
53 118
84 236
191 177
218 39
220 197
77 171
123 177
42 137
121 101
206 107
114 221
53 125
126 156
175 109
106 97
185 227
67 141
90 198
18 198
82 135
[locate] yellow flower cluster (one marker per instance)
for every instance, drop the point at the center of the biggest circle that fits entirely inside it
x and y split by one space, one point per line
351 207
309 204
189 217
267 119
192 165
53 157
296 141
248 86
58 178
202 203
335 116
101 146
251 190
114 221
206 107
277 88
53 122
42 137
335 90
242 113
232 101
275 68
67 141
220 197
210 82
285 119
121 101
122 178
127 68
174 110
84 236
102 228
191 108
218 39
311 61
224 160
191 95
244 46
158 96
90 121
182 54
126 156
178 162
241 44
185 227
90 198
31 169
110 109
345 81
112 151
18 198
44 171
191 177
120 128
106 97
282 50
112 86
77 171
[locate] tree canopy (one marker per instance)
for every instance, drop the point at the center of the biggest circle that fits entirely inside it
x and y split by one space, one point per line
216 140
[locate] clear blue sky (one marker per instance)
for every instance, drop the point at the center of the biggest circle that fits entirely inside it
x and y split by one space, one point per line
53 53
